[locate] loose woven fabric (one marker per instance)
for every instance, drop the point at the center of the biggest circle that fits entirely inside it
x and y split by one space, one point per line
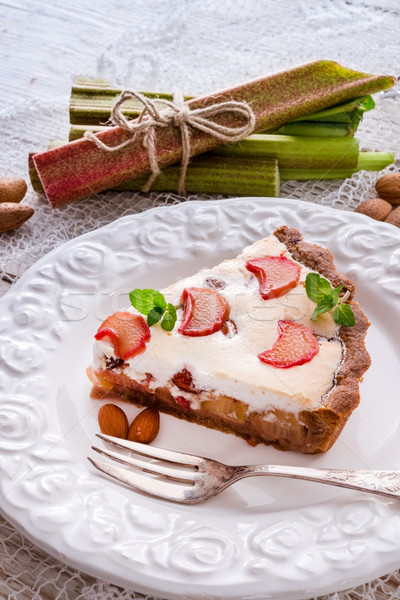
196 47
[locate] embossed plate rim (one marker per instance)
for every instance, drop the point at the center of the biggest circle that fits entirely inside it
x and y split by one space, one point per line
51 529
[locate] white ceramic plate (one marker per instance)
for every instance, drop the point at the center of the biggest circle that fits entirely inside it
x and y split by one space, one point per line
262 538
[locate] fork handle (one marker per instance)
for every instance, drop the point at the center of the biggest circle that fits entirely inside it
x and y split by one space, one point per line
384 483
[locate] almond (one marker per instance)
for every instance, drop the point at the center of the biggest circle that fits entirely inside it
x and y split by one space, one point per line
13 215
12 189
145 426
394 217
113 421
376 208
388 187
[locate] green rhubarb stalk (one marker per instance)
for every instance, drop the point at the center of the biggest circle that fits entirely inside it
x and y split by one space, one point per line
207 175
374 161
78 131
317 129
297 152
367 161
342 112
339 120
33 175
92 100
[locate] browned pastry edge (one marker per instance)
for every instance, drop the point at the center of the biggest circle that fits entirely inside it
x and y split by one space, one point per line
344 397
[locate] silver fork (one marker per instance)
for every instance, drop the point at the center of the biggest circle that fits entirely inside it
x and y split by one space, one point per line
189 479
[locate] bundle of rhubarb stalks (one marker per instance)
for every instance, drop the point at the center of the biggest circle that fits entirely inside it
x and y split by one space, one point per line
316 146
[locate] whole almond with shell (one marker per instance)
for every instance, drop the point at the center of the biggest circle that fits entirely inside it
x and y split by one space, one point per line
12 189
145 426
113 421
13 215
394 217
388 187
376 208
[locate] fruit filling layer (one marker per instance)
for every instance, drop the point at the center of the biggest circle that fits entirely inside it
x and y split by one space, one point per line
243 330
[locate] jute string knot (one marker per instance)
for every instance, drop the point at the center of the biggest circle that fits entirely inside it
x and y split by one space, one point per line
179 114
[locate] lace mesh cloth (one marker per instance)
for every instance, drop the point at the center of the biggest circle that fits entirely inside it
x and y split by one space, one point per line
195 47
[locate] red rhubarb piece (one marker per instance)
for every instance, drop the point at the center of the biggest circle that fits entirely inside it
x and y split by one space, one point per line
204 313
183 402
127 332
295 345
184 381
276 274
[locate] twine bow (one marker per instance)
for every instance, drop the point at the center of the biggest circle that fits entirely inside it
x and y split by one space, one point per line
177 113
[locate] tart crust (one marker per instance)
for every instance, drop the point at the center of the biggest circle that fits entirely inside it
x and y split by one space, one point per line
311 431
338 404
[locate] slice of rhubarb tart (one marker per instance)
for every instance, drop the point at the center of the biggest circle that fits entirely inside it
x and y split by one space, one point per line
268 345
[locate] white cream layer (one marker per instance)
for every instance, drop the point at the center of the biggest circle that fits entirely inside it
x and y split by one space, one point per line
230 365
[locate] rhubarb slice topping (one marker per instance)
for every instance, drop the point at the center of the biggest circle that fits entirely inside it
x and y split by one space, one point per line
205 311
127 332
276 274
295 345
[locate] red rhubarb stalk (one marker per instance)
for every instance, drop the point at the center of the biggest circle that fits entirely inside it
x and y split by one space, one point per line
80 168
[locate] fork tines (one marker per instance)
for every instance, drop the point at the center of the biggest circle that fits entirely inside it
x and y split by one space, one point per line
172 473
152 451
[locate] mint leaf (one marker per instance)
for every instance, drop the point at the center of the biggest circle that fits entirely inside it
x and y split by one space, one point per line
169 319
328 301
152 304
154 316
343 315
143 300
326 304
319 290
159 302
335 293
317 287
